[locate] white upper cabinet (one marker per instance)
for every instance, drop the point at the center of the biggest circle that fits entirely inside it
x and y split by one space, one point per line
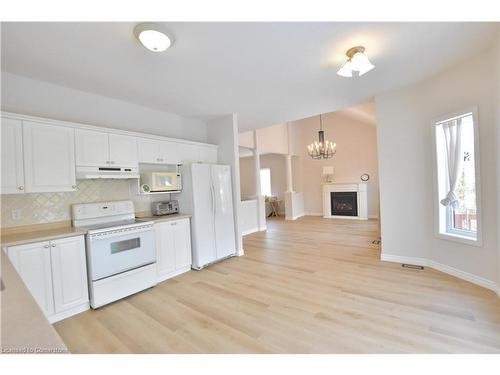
122 150
49 157
157 152
188 152
12 157
100 149
168 152
148 150
32 263
92 148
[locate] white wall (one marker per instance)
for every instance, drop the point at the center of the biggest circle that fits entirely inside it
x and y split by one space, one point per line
247 178
498 158
277 164
356 154
223 131
406 164
248 216
38 98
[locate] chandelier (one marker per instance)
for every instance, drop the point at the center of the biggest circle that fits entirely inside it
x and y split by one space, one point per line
321 149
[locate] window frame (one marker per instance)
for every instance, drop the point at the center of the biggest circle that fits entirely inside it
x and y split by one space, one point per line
457 235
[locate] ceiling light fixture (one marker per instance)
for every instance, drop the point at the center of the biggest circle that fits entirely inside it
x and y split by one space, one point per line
153 37
356 61
321 149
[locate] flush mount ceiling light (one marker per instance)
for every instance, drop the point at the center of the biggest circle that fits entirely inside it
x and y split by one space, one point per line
356 61
153 37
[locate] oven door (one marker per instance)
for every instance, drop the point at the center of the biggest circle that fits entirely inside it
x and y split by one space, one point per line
110 254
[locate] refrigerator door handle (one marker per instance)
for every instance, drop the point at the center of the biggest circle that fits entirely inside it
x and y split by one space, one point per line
213 198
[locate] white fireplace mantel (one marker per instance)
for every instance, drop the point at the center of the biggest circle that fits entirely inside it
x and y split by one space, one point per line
358 187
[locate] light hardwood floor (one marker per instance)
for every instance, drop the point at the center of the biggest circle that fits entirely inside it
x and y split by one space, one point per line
309 286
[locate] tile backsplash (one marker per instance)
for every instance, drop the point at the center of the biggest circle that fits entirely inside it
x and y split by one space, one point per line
39 208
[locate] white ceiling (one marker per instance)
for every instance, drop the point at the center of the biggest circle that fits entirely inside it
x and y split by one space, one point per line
266 72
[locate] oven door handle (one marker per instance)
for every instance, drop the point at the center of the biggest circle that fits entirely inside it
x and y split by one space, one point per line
121 233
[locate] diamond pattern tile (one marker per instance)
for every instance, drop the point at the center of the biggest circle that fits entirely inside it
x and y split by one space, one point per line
38 208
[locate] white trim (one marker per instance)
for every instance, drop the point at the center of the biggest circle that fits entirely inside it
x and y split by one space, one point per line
178 272
313 214
360 188
481 281
297 217
262 229
478 241
249 231
240 252
76 125
66 314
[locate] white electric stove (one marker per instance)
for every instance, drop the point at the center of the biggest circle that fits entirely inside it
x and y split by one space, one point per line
121 254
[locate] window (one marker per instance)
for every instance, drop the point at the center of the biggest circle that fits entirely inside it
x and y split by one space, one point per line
457 177
265 182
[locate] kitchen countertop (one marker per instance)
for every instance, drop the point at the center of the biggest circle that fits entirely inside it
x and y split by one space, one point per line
24 328
38 235
164 218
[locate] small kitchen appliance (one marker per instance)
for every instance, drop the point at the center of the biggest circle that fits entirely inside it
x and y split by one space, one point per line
165 208
162 181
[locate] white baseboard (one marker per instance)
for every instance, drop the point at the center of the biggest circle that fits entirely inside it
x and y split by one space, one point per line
173 274
261 229
295 217
249 231
313 214
481 281
240 252
372 216
66 314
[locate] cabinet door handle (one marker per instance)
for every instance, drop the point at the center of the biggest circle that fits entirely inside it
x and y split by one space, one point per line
21 187
53 245
74 186
112 162
46 246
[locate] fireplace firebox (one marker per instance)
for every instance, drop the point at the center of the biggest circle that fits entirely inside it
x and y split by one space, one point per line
344 203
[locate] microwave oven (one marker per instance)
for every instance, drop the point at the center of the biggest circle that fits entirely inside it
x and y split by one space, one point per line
161 181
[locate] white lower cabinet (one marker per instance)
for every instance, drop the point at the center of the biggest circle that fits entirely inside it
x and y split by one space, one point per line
173 248
55 273
69 273
32 263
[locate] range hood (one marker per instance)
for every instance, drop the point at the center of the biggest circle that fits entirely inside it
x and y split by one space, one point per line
88 173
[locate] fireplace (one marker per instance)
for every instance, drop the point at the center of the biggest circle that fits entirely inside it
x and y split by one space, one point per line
344 203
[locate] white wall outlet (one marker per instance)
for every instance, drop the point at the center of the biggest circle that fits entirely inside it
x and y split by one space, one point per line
16 214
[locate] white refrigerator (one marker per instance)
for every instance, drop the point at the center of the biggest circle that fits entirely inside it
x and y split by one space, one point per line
208 196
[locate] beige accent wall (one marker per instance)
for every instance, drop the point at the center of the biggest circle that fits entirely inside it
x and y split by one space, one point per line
40 208
356 154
